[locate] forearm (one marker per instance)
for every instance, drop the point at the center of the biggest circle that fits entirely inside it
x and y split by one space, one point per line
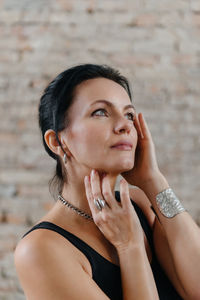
137 277
183 237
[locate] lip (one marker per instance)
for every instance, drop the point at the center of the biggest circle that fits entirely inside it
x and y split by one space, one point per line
123 143
122 147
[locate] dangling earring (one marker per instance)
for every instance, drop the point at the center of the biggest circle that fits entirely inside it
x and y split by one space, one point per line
65 158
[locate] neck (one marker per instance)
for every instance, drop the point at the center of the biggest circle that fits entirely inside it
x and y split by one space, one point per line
75 193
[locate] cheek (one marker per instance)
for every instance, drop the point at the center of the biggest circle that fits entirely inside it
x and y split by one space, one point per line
135 138
91 142
84 141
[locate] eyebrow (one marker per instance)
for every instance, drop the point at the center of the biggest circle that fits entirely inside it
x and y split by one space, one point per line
110 104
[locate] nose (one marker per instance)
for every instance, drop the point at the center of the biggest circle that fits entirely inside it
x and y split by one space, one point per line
123 125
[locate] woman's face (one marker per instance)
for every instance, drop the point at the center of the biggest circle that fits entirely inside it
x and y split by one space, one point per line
91 134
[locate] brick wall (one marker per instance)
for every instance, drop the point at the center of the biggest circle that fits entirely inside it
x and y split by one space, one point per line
156 44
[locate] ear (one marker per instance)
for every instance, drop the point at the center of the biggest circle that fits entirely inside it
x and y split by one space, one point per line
52 143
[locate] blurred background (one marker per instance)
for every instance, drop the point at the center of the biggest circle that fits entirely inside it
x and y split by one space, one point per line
156 44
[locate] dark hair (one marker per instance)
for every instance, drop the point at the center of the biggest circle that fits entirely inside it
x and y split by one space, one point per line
57 98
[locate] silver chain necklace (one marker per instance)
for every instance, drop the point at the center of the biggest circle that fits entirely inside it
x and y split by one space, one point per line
77 210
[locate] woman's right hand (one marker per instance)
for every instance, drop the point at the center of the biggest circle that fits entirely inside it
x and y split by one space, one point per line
118 222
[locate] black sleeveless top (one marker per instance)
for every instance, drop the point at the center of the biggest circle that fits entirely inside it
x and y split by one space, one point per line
106 274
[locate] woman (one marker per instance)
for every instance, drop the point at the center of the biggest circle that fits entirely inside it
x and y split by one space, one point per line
95 242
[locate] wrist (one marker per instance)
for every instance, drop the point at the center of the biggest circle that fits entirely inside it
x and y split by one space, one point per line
125 249
155 184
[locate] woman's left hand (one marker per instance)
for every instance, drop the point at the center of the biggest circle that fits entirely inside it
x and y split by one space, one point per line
145 166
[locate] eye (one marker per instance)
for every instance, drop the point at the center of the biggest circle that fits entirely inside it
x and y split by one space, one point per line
132 116
101 109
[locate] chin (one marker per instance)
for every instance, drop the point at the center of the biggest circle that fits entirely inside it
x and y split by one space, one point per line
126 164
121 167
115 166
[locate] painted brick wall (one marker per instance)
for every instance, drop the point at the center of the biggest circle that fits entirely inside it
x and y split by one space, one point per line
156 44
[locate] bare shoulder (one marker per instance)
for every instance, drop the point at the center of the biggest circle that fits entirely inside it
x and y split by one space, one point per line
37 244
140 198
34 249
48 271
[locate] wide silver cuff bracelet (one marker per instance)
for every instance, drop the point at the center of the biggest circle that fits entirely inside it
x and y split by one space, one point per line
168 204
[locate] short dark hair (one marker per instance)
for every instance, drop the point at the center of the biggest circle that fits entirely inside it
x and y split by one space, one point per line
57 98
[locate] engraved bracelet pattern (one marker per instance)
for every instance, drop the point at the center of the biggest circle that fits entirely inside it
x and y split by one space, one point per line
168 204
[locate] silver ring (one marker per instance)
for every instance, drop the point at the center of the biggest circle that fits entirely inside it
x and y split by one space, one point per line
99 203
102 202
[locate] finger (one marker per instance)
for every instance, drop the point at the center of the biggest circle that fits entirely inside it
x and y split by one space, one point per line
137 126
144 127
107 193
89 195
124 195
95 186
